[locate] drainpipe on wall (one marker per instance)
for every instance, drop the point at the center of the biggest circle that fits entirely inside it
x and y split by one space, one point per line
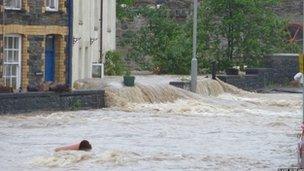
70 41
101 31
3 20
3 29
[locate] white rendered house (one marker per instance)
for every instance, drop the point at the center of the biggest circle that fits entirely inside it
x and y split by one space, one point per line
90 41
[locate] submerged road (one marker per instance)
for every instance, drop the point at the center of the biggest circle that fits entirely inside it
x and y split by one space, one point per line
228 131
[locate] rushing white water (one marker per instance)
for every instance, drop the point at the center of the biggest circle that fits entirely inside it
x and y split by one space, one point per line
154 126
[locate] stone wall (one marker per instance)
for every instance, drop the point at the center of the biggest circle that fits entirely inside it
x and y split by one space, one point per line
284 66
280 70
50 101
33 13
290 10
246 82
36 62
186 85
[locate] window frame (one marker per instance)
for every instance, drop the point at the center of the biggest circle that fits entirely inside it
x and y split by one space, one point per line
11 63
13 8
100 67
56 4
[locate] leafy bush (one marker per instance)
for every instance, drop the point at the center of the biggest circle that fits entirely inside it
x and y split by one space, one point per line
114 64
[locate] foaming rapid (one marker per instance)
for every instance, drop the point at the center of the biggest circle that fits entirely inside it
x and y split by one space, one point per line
156 89
62 159
153 89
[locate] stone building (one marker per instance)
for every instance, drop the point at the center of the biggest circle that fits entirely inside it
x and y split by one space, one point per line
33 39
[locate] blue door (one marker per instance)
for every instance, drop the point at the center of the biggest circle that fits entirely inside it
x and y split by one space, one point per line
49 58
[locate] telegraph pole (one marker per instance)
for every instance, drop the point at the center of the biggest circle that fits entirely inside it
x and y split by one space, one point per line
302 58
194 59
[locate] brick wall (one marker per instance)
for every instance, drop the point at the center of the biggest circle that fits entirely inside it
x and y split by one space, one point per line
1 59
25 62
60 59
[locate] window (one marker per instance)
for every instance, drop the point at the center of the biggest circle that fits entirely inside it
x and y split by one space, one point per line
12 4
12 61
80 63
86 62
97 70
52 5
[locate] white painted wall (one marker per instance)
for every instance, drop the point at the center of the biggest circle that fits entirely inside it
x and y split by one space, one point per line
86 27
108 27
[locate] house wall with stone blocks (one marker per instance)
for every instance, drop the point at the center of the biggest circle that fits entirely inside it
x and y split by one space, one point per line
23 32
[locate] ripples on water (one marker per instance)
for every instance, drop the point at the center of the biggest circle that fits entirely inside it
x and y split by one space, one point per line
154 126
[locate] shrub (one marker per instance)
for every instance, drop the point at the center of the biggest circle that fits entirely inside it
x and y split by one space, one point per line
114 64
163 39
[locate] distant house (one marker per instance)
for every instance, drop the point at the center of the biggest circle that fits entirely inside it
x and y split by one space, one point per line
33 39
54 40
94 33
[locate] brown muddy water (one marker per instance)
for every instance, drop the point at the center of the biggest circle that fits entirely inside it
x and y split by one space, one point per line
154 126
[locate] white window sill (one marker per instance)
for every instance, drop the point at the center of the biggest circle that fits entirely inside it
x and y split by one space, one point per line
11 63
10 8
51 9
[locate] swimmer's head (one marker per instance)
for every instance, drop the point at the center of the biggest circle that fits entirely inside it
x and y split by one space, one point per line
85 145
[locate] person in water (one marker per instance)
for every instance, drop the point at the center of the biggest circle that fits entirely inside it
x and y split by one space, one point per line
84 145
299 78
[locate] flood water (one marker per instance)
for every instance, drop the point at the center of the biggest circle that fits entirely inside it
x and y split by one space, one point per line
154 126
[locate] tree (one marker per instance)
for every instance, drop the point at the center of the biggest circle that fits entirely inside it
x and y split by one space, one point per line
164 40
231 32
240 32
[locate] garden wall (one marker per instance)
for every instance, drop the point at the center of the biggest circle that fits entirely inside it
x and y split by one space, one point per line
13 103
280 70
246 82
284 66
